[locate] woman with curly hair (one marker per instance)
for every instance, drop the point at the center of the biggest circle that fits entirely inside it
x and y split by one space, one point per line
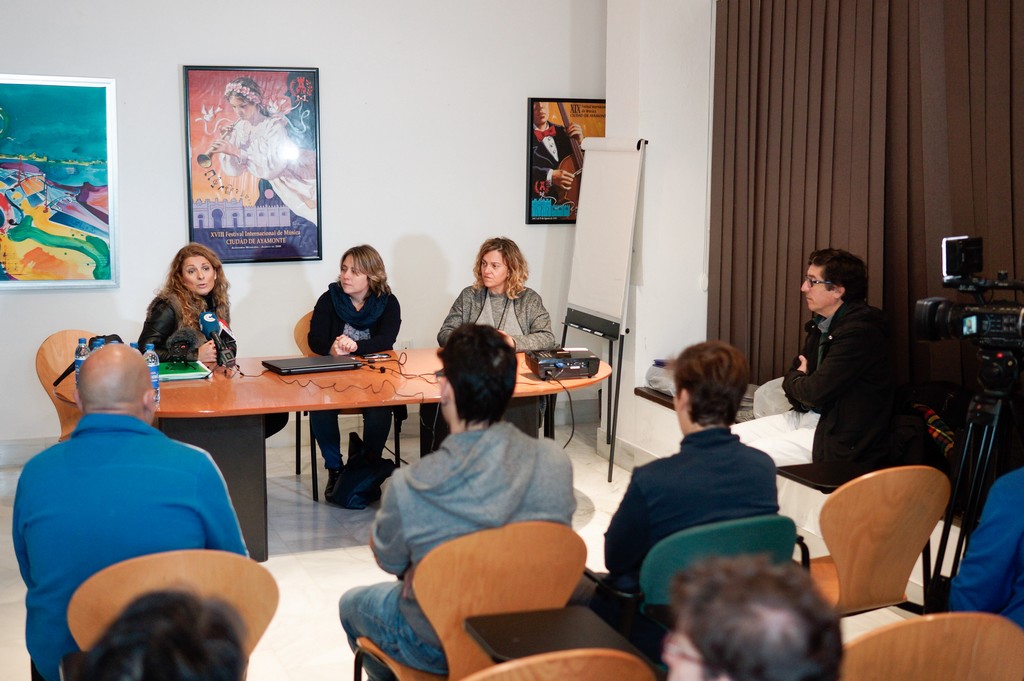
499 298
195 284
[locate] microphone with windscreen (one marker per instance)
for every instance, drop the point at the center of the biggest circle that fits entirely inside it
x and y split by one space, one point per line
183 344
211 327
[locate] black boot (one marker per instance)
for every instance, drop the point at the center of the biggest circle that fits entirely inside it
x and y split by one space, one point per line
332 479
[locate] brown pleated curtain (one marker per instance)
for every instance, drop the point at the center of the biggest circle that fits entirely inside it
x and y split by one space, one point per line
956 138
874 126
797 162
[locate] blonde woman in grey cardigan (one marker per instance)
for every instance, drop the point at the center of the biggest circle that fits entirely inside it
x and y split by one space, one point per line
499 298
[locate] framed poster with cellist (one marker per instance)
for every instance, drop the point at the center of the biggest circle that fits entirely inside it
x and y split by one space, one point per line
554 164
253 139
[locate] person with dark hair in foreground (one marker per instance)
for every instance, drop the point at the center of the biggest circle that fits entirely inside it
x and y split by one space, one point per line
170 636
714 477
117 489
744 619
486 474
840 386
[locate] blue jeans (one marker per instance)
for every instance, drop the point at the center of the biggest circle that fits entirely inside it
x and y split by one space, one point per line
376 426
372 611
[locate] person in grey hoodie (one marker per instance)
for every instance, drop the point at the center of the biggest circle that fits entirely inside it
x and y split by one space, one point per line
486 474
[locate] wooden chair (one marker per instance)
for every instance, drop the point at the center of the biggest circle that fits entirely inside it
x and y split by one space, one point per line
875 527
523 566
774 535
582 664
53 357
301 335
237 580
943 647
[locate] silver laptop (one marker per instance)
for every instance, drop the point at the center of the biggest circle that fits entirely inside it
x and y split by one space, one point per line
311 365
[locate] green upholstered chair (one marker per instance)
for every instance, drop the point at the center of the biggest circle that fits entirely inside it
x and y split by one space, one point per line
774 535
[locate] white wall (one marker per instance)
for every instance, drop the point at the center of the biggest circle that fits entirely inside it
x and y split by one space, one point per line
659 88
441 88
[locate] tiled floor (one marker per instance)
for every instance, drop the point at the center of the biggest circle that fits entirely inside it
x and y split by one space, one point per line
319 551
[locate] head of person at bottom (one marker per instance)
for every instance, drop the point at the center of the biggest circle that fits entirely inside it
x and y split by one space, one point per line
170 636
833 277
477 378
500 268
744 619
115 380
710 381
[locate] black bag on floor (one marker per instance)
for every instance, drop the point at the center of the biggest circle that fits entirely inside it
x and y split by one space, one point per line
360 480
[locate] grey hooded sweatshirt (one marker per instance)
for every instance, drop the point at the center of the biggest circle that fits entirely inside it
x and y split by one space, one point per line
477 480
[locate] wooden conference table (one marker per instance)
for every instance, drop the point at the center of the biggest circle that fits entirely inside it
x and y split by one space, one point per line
224 414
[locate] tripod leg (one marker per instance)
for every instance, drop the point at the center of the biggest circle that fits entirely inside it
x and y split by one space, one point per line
958 484
969 519
970 479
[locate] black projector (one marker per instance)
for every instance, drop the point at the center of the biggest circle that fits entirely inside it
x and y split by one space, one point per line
559 364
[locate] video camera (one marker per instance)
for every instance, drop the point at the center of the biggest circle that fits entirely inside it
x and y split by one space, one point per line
997 324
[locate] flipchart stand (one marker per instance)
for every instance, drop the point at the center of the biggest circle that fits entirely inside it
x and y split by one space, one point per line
602 253
609 330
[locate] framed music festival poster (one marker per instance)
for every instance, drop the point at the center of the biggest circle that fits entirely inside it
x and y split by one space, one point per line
253 139
554 163
58 170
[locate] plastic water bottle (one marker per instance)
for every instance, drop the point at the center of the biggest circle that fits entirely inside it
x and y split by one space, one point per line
153 362
81 352
135 346
98 343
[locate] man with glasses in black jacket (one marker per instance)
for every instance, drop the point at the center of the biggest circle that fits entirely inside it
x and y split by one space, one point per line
840 386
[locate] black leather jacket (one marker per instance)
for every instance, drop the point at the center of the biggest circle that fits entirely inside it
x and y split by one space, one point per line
851 386
163 319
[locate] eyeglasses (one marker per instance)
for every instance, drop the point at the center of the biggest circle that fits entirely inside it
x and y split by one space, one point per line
811 281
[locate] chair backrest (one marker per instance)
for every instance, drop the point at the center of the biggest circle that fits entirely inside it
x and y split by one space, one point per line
237 580
876 526
522 566
580 664
53 357
943 647
771 534
301 333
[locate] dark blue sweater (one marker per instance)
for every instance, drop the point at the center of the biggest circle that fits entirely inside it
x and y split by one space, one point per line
713 477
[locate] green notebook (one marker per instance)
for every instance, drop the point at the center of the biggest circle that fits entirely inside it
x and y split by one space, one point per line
180 371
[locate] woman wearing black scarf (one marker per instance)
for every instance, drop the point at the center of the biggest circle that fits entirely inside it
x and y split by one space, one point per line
357 315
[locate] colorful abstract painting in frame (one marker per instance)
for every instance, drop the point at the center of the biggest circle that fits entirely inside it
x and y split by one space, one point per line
254 162
57 182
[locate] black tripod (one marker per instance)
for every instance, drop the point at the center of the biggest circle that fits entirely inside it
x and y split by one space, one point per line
998 375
